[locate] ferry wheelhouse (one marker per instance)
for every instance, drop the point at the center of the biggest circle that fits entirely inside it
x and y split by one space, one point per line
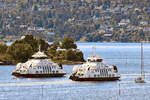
39 66
94 70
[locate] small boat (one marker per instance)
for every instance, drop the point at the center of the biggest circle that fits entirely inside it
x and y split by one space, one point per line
94 70
141 79
39 66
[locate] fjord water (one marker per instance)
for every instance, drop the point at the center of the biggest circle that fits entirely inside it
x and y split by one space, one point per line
126 56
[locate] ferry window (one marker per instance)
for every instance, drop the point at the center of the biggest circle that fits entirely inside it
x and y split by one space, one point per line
36 72
56 71
47 68
99 60
94 75
106 70
91 60
50 69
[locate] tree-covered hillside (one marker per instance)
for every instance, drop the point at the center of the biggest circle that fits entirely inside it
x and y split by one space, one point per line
83 20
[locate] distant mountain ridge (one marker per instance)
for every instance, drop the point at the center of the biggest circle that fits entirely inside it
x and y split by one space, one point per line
83 20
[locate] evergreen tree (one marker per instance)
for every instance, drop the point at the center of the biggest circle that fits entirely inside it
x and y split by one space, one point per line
68 43
20 52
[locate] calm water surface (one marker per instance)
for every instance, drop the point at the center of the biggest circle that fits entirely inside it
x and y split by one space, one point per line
125 55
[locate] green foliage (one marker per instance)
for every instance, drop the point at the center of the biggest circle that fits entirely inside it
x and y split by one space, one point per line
29 39
3 48
51 53
79 56
20 52
70 55
34 42
52 49
5 57
73 55
44 45
68 43
55 45
67 53
22 49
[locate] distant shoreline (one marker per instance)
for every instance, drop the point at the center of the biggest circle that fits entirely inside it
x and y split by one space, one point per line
9 43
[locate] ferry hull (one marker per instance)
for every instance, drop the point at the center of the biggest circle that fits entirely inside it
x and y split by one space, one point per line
37 75
75 78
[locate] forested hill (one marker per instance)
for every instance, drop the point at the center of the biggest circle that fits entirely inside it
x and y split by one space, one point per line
83 20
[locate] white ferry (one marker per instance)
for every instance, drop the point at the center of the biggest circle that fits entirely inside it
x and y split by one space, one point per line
94 70
39 66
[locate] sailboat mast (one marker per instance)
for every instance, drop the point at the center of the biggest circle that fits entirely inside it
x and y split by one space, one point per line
142 63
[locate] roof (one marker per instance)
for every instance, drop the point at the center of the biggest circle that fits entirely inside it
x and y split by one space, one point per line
39 54
94 57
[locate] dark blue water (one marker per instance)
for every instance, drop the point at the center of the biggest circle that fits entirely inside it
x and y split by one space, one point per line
127 57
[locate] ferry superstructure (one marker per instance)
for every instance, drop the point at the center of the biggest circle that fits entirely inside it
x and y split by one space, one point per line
39 66
94 70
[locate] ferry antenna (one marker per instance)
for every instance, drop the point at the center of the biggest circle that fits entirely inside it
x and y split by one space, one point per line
39 47
94 51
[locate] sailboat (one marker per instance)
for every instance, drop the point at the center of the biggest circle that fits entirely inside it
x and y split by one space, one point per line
141 79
